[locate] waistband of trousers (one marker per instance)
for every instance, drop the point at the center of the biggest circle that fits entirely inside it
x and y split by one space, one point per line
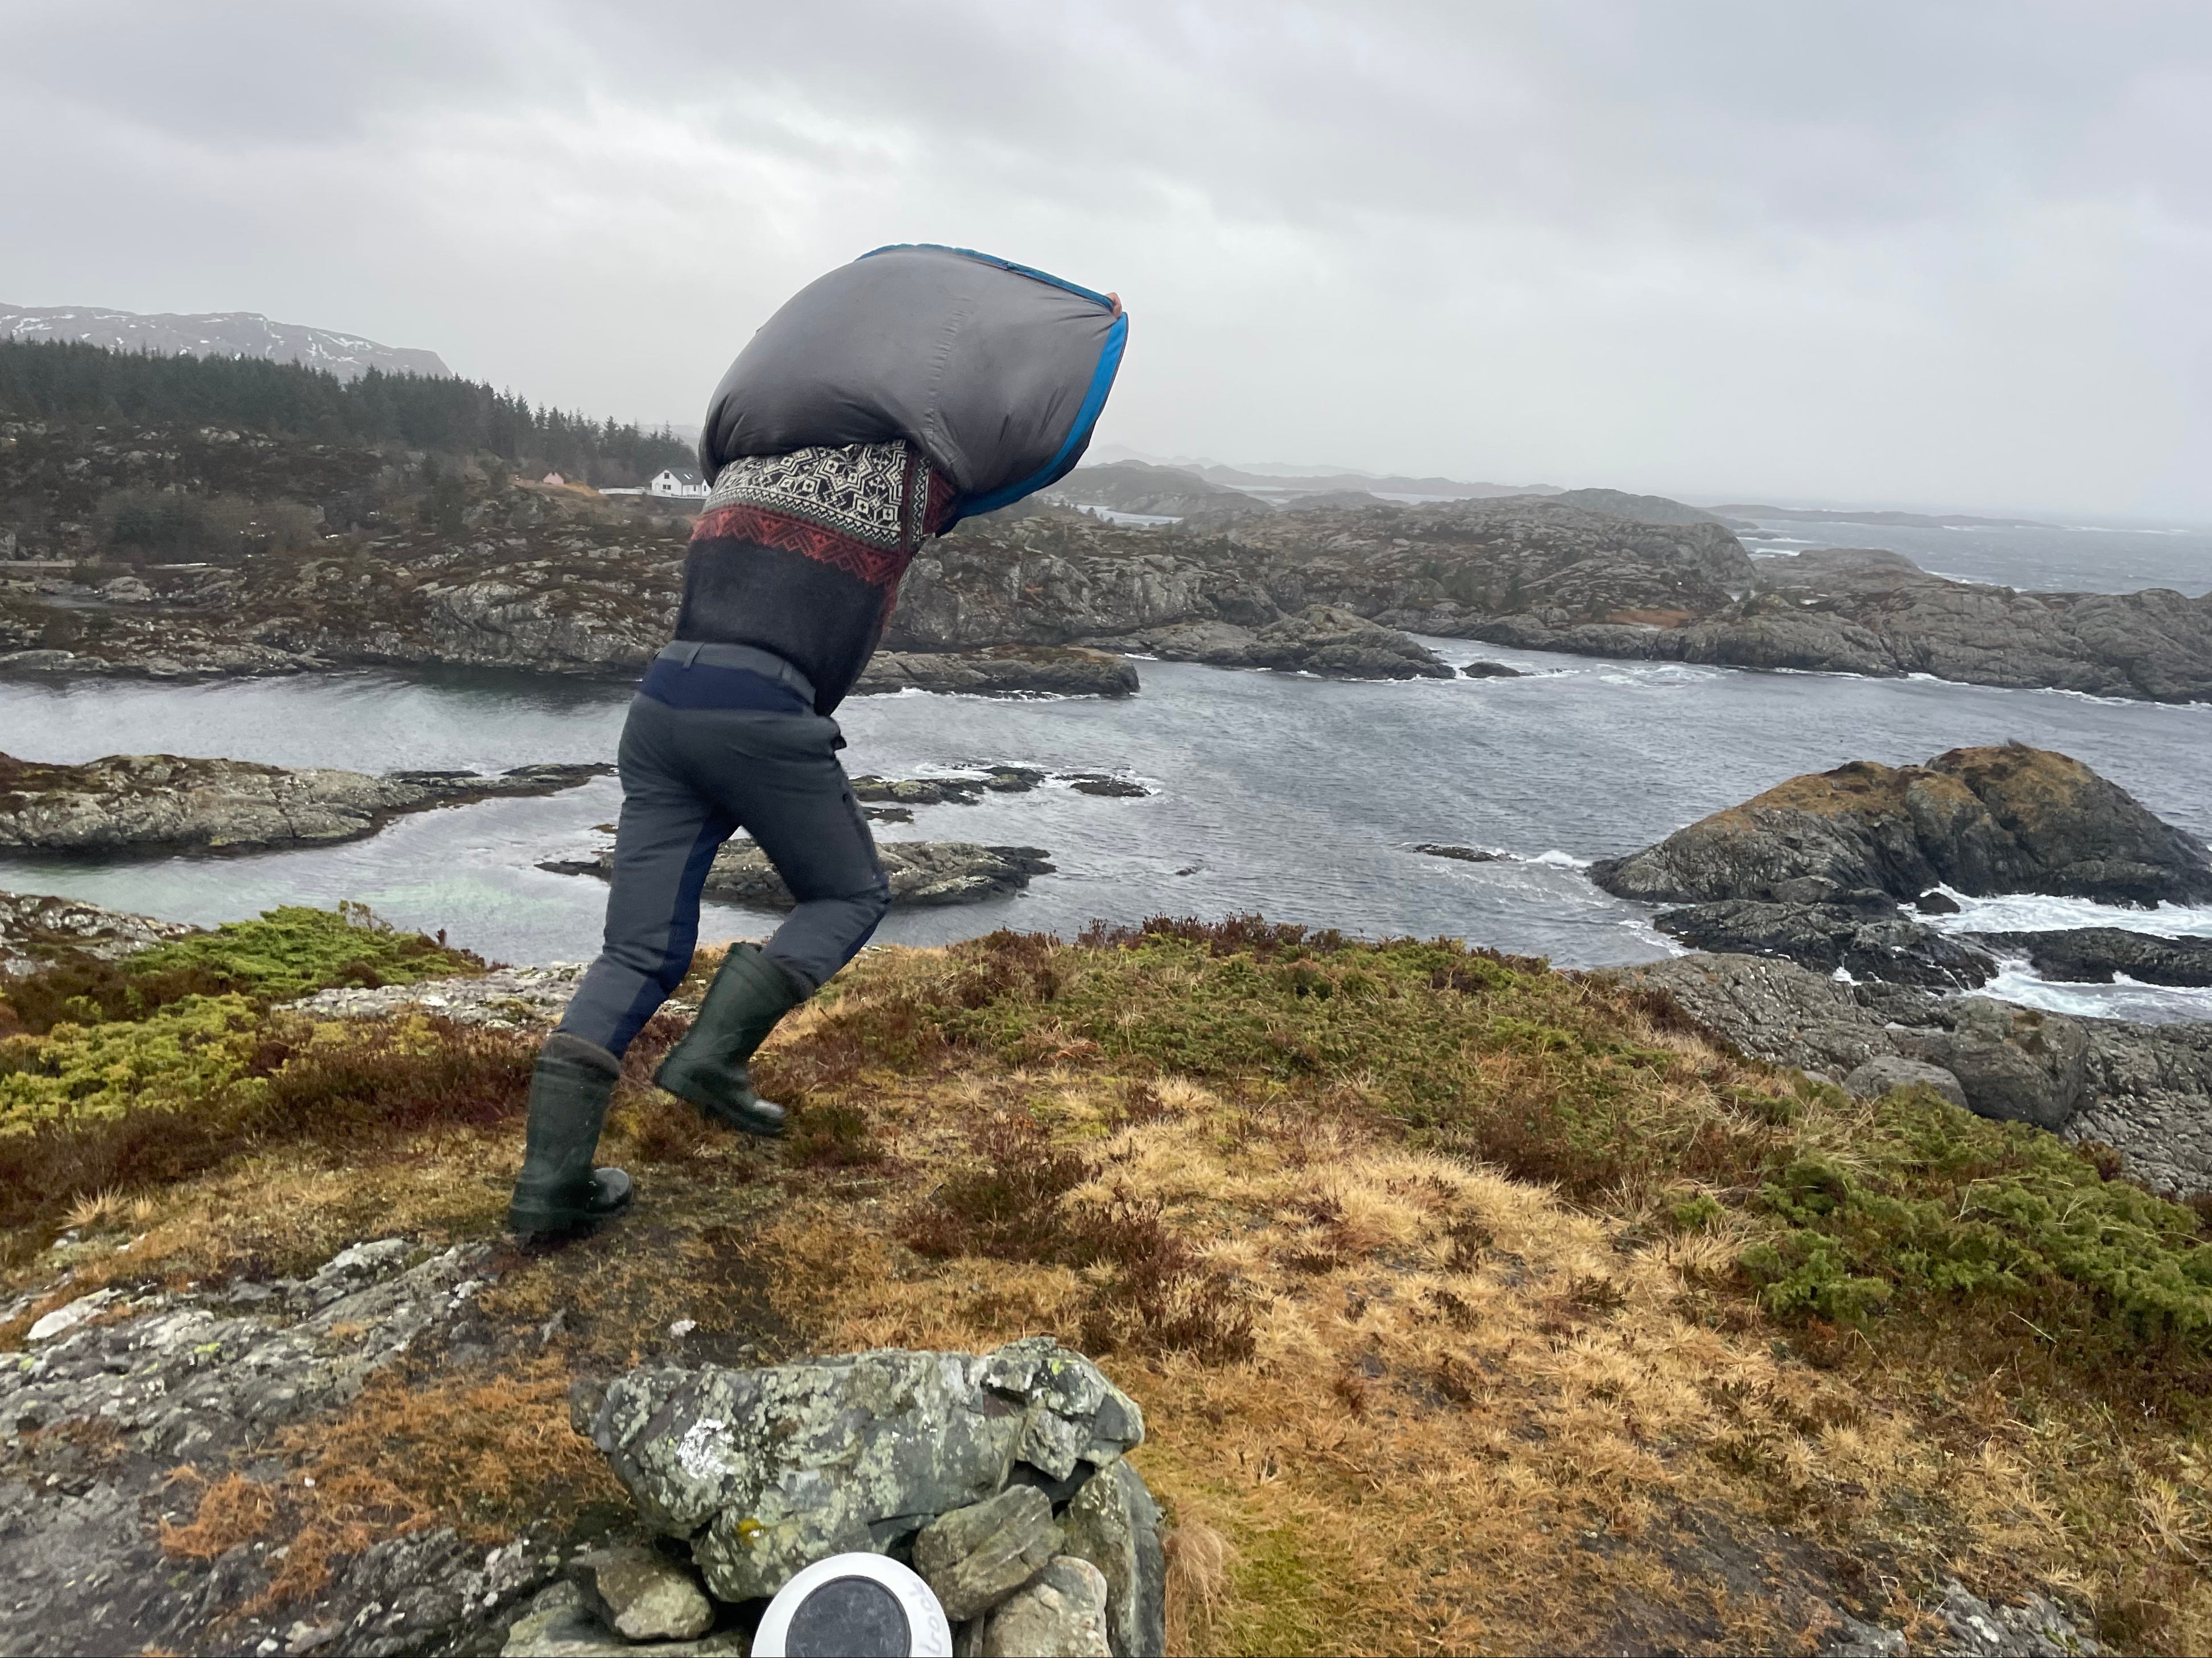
698 653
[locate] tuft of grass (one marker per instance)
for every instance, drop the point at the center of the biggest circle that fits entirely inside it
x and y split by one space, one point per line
1154 1294
121 1107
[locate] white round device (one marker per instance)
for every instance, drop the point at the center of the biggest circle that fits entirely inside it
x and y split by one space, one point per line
853 1606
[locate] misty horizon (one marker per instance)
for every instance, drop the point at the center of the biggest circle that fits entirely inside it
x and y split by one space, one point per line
1944 262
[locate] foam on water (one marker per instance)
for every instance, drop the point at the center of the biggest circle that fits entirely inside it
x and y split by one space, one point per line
2125 999
2035 913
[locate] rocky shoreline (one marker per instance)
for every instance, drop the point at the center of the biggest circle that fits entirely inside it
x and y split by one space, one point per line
133 802
1797 899
923 874
553 583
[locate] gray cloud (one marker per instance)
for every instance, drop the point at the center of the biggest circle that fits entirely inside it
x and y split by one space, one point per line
1945 254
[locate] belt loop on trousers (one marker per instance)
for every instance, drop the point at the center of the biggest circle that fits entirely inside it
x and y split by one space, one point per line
691 656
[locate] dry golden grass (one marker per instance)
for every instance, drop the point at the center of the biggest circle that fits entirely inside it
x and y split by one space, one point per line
1396 1400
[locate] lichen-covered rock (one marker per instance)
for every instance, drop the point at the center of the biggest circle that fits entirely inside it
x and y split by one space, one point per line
1113 1523
642 1597
132 801
973 1557
34 928
766 1470
1061 1615
505 998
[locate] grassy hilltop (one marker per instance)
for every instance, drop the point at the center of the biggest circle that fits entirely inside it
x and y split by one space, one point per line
1472 1305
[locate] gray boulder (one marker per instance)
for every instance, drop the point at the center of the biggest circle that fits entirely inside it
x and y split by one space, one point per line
1879 1076
1113 1524
561 1624
1061 1615
973 1557
2021 1064
767 1471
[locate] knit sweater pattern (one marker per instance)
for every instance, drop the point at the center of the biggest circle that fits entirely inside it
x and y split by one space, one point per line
801 554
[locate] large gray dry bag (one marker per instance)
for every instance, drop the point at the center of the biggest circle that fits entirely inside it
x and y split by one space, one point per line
996 371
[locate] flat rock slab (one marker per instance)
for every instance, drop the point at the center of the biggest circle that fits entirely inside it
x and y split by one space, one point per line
1873 940
922 873
766 1470
132 802
506 998
561 1624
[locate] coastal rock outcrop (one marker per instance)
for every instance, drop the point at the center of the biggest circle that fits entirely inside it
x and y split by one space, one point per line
922 873
35 927
2141 1089
1001 670
131 801
987 1471
1323 639
1982 821
2098 955
1867 939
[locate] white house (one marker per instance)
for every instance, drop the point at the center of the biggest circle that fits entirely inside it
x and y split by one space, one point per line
678 482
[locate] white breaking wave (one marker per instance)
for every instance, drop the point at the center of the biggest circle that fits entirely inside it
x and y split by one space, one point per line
2035 913
2123 999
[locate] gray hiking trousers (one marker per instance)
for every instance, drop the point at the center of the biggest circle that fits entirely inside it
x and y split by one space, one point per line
690 778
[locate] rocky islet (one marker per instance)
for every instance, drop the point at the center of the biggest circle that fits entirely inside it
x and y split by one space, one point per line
133 803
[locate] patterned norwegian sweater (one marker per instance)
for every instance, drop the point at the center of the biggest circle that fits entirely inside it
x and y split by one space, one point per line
801 555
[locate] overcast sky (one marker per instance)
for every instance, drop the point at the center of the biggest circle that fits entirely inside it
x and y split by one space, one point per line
1950 254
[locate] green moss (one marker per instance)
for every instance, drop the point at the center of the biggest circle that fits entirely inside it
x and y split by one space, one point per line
292 951
284 954
194 1055
1930 1200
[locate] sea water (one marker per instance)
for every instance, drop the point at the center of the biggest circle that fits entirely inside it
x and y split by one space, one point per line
1297 798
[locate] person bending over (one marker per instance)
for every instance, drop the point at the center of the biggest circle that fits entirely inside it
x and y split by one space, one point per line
938 383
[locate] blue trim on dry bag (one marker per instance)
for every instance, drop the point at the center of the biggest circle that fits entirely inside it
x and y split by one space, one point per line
1094 401
1090 294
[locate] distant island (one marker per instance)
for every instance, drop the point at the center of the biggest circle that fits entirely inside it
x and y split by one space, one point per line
1862 515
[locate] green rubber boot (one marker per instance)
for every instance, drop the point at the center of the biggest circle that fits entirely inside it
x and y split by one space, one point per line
558 1191
708 1067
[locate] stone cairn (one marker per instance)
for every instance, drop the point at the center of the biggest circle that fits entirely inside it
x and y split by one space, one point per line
1000 1479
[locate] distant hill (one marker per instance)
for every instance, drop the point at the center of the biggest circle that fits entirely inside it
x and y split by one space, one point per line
1278 482
1646 509
1912 521
216 334
1135 486
1288 483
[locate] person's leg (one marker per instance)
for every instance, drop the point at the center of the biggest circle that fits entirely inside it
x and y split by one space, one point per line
665 841
779 775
